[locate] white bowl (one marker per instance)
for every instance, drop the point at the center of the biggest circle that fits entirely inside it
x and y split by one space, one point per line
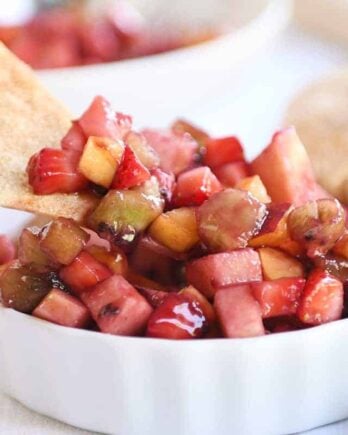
160 87
272 385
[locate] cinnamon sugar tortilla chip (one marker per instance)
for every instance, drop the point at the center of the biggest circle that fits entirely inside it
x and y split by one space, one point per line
320 115
30 119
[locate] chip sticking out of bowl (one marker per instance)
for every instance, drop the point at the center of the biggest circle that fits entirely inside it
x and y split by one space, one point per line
320 116
30 119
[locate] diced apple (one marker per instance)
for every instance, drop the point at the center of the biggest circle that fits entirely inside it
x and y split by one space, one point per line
121 215
194 295
230 173
100 159
115 260
177 318
254 186
181 126
195 186
277 264
144 152
209 274
229 219
322 299
238 312
166 182
63 309
30 252
291 178
117 307
130 172
218 152
176 229
280 297
62 240
84 272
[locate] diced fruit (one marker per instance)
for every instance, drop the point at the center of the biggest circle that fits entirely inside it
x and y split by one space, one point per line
230 173
317 225
63 309
277 264
166 182
75 138
285 169
23 287
121 215
176 229
229 219
322 299
53 170
115 260
194 295
154 297
209 274
181 126
102 121
341 246
176 152
336 266
254 186
100 159
30 252
177 318
117 307
84 272
238 312
279 297
130 172
221 151
62 240
7 249
140 282
195 186
283 324
144 152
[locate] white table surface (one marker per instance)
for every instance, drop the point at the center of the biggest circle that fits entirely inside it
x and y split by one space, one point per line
252 107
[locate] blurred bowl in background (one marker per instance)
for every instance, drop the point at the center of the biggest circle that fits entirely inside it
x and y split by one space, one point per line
158 88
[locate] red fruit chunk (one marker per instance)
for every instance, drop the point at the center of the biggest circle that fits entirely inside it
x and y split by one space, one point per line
117 307
238 312
177 318
322 299
195 186
285 169
7 249
176 152
221 151
75 138
194 295
279 297
166 182
229 219
53 170
131 172
102 121
154 297
209 274
144 152
63 309
84 272
230 173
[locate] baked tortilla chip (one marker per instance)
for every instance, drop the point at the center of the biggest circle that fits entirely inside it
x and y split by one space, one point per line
320 115
30 119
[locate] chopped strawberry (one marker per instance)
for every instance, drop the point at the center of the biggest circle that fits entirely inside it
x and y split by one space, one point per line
176 152
53 170
195 186
131 172
238 312
166 182
279 297
63 309
7 249
84 272
230 173
102 121
221 151
117 307
75 138
177 318
322 299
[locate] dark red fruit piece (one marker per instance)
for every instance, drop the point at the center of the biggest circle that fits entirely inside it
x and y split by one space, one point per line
230 173
221 151
131 172
154 297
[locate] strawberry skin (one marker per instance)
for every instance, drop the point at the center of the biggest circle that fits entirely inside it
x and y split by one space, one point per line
131 171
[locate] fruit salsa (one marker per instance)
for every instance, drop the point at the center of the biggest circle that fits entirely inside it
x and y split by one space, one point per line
70 36
188 239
